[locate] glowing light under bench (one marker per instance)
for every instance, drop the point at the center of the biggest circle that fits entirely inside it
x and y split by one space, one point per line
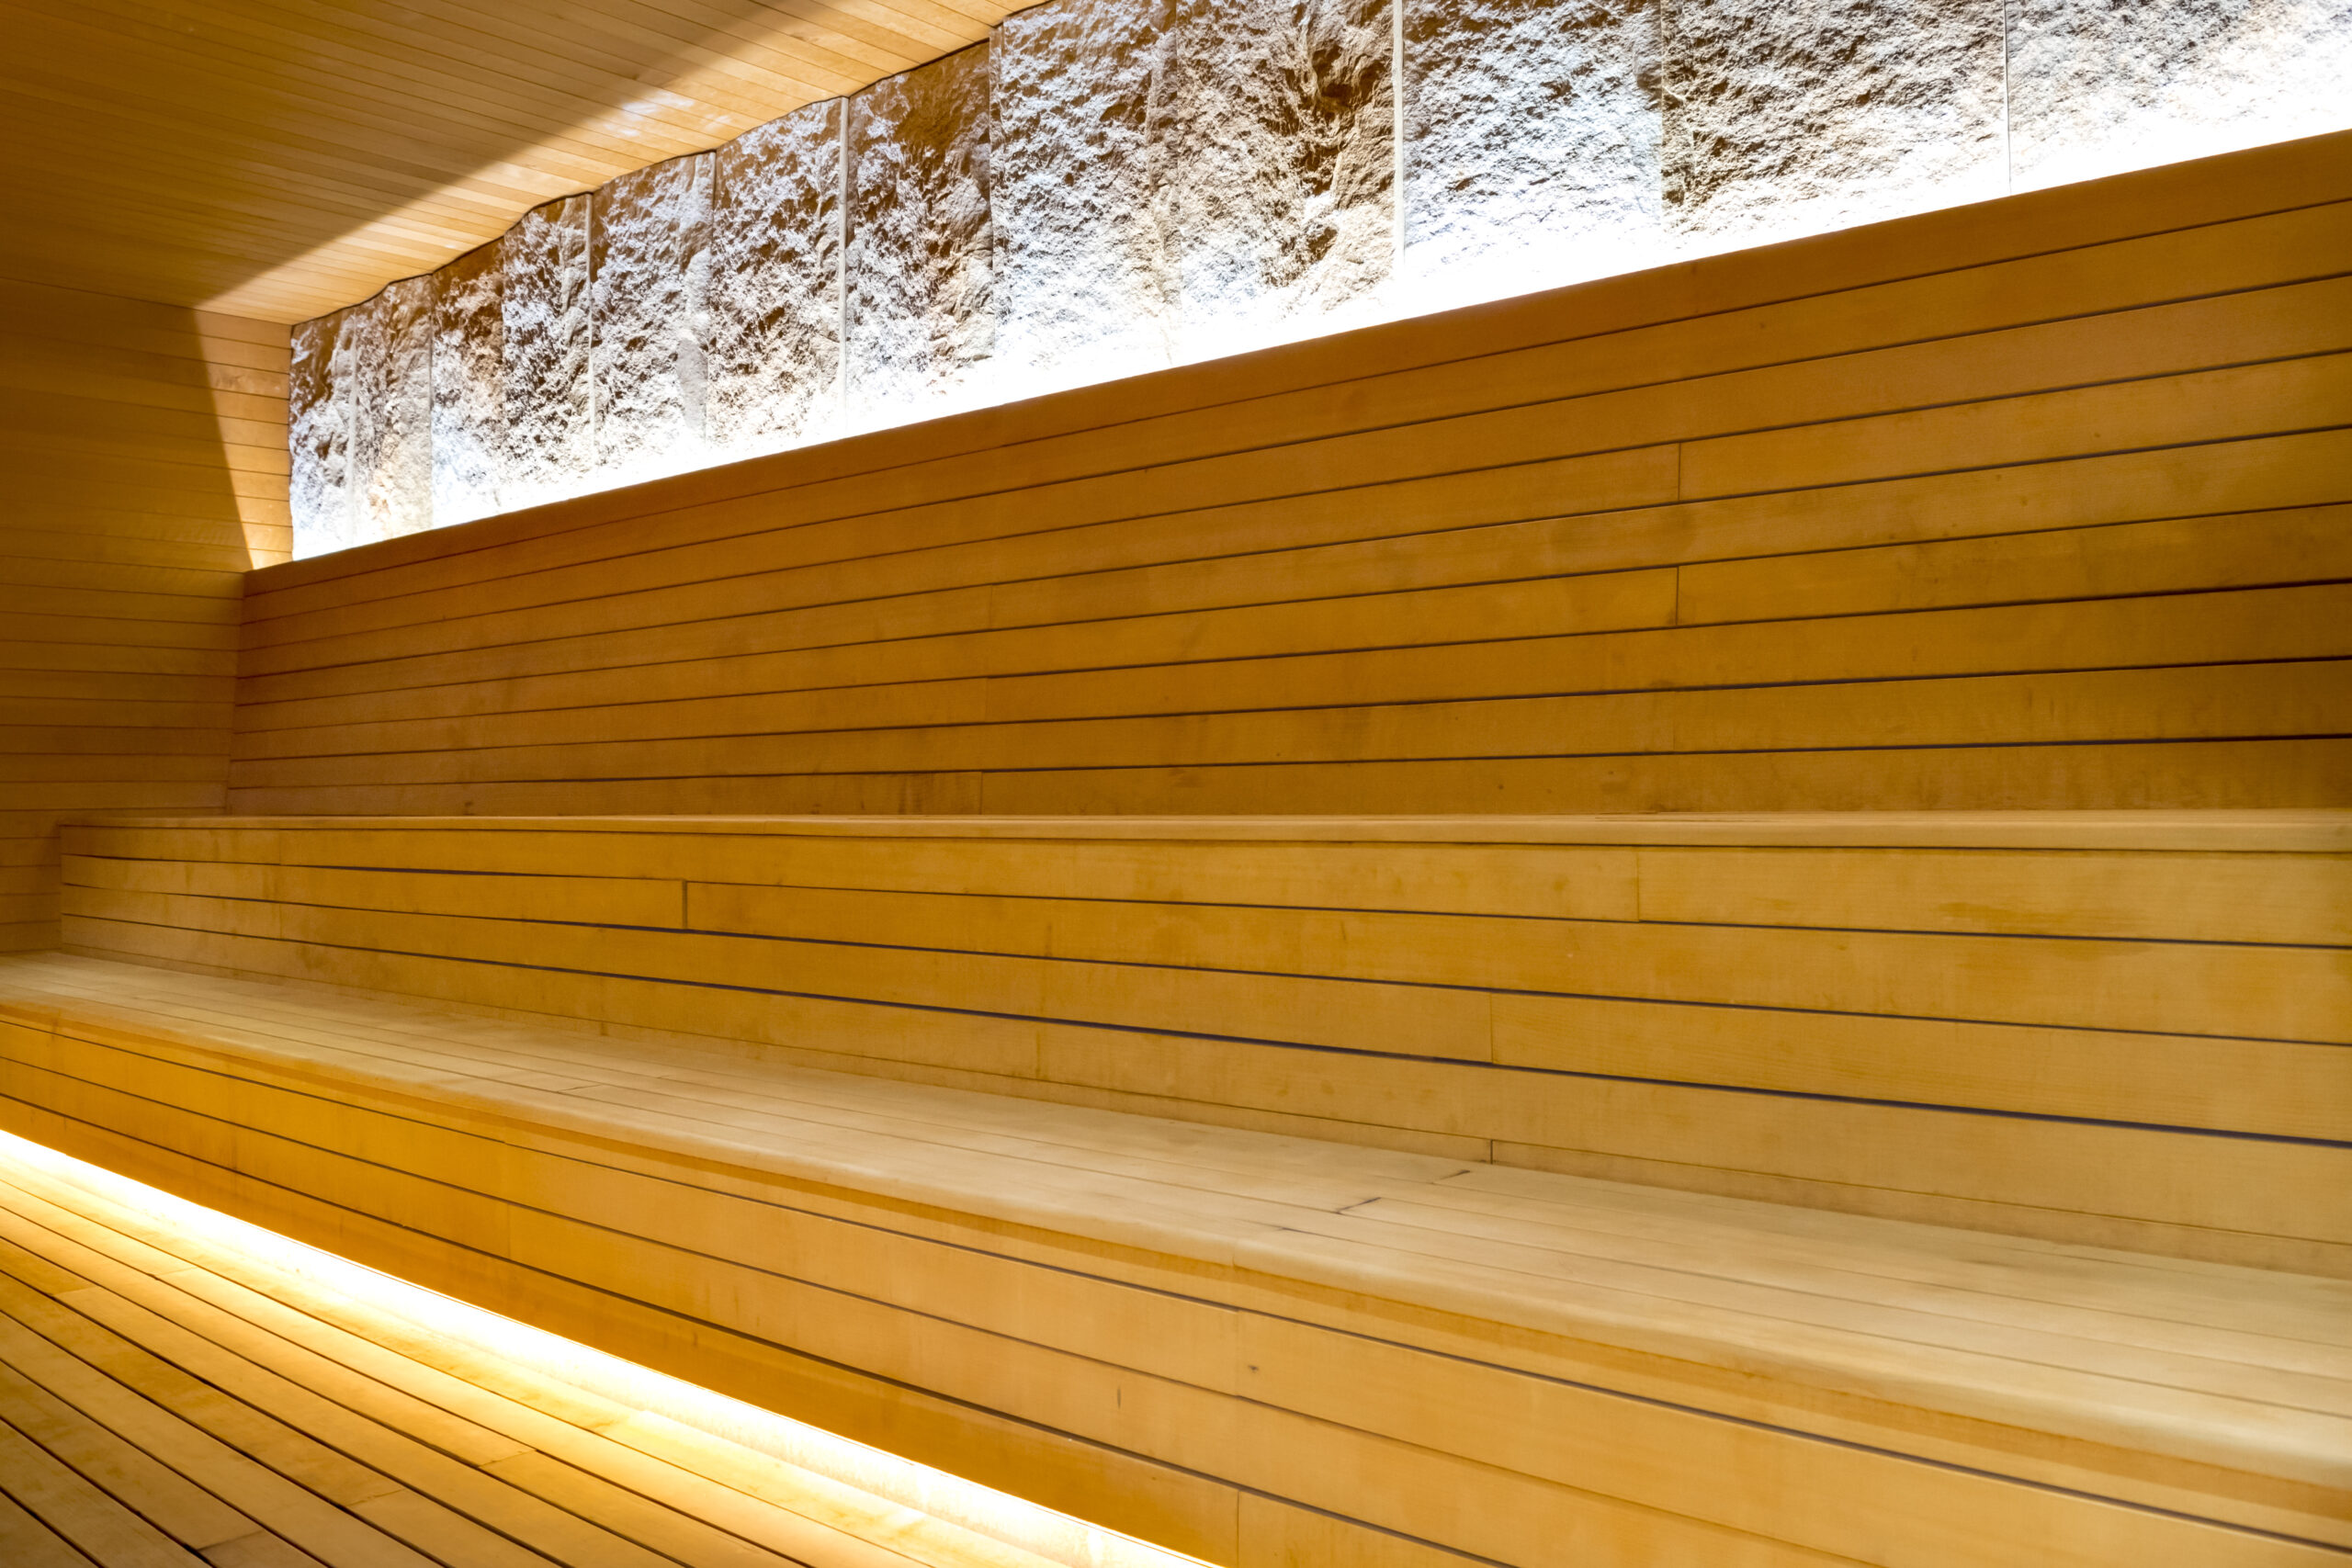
1055 1537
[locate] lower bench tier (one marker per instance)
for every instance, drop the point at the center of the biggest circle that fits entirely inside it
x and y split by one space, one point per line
2121 1028
1261 1349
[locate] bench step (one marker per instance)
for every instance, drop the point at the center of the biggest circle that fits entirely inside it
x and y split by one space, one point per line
2121 1029
1234 1343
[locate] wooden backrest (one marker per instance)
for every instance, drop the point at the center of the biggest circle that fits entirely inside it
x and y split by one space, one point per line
2035 503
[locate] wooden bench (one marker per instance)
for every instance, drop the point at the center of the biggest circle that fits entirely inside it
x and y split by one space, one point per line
1236 1343
2122 1028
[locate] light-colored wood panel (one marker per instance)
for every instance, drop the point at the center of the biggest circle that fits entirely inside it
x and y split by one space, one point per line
2203 775
2137 874
141 364
177 1434
2256 474
207 553
1116 676
2284 472
603 901
1633 480
183 1510
115 685
75 313
558 1175
2089 981
79 1512
2291 546
122 568
33 1543
120 630
2162 830
723 1085
2096 1072
312 1176
105 603
97 740
272 1333
2210 405
2135 705
1038 958
166 768
129 658
130 481
2202 897
1145 1500
231 1295
2001 1162
276 163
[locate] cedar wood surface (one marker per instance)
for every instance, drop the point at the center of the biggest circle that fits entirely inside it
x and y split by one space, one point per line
146 455
2039 504
1253 1348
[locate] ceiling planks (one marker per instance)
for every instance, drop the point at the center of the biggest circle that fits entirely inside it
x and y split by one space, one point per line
275 159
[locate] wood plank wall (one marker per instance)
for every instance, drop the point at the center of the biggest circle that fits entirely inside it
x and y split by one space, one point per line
146 454
2039 504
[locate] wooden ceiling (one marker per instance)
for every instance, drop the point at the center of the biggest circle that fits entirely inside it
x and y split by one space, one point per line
280 158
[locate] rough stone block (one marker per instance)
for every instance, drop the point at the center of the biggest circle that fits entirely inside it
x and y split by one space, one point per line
651 263
921 271
774 349
469 387
544 303
1086 287
391 410
1530 144
2098 87
1277 119
319 443
1791 117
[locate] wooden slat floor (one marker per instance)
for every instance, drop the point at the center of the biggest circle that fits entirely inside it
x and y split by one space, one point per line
170 1396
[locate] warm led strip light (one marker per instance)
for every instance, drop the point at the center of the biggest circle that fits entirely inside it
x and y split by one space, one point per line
1054 1536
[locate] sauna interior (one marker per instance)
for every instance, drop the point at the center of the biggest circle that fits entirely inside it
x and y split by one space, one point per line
1579 769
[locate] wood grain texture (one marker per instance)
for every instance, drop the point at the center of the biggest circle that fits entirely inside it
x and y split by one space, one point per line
2119 1028
282 161
172 1394
143 444
1143 1321
2031 510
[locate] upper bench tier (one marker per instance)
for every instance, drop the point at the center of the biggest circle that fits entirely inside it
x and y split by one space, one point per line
2041 504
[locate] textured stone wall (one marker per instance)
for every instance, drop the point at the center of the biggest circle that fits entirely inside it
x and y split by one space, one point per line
650 285
469 386
1109 185
920 261
1085 285
544 305
1531 136
774 353
1809 115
